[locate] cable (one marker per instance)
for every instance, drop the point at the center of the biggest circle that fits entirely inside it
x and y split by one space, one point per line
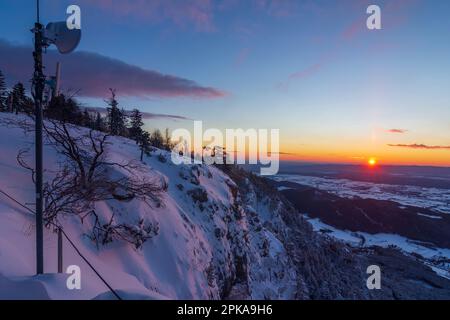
89 264
17 202
71 243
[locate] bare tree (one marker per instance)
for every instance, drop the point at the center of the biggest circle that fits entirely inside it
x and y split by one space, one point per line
87 175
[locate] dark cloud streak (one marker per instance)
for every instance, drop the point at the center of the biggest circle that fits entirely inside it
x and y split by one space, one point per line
419 146
397 131
145 115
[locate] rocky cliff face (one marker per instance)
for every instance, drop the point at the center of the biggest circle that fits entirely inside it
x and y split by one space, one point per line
323 268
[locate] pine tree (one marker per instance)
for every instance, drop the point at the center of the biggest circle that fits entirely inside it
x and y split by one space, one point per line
157 139
9 102
28 105
87 121
3 93
67 110
98 124
116 117
168 145
123 130
19 97
144 143
136 124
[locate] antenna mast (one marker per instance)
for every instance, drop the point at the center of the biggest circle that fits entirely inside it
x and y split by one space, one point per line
37 11
66 41
38 89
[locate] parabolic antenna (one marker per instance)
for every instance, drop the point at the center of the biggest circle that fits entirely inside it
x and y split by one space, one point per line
64 39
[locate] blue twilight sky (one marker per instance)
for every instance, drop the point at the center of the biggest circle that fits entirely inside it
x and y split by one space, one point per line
309 67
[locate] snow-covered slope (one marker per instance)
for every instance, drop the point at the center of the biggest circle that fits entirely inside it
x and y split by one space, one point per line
204 244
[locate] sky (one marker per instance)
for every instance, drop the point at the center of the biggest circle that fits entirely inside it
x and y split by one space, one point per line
337 91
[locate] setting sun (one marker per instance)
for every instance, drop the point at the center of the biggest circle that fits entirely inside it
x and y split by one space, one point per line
372 162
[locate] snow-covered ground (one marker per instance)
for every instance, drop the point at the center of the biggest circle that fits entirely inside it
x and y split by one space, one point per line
431 256
193 255
430 198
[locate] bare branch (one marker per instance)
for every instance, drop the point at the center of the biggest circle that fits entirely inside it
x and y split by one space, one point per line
21 161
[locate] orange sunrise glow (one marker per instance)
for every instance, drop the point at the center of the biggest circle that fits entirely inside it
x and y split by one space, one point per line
372 162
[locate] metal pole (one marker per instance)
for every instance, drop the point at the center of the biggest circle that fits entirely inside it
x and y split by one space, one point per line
38 83
38 14
60 251
57 80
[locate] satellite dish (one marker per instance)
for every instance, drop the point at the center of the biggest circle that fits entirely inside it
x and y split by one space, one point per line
64 39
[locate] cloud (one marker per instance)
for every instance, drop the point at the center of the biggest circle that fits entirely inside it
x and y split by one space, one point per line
420 146
309 71
93 74
397 131
145 115
148 116
281 153
353 30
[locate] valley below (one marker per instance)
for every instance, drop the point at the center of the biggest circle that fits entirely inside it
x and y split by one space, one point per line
411 219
